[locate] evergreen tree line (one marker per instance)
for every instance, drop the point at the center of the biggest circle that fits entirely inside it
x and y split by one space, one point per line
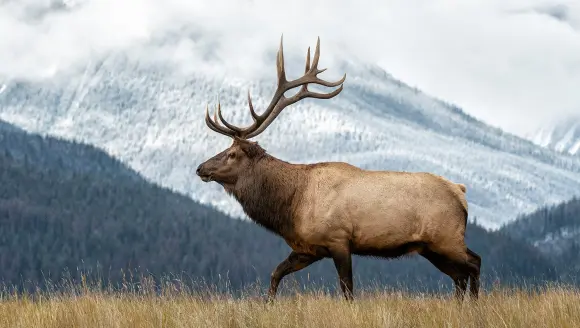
58 220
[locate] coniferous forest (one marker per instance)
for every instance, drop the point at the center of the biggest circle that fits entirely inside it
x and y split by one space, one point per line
67 208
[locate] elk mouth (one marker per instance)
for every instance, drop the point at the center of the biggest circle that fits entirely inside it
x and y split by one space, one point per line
206 178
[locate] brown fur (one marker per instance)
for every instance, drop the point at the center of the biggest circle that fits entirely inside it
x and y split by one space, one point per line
335 209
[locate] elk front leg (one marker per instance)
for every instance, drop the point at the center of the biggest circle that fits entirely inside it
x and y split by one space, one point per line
294 262
343 263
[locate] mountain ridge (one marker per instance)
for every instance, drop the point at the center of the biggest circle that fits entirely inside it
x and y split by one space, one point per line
152 119
554 231
563 136
109 226
24 147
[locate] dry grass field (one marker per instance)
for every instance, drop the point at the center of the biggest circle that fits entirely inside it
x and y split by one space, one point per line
87 307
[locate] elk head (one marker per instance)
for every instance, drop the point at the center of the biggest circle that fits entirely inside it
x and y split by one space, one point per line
227 166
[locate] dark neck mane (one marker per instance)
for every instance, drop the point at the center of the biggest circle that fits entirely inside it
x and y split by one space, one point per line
270 192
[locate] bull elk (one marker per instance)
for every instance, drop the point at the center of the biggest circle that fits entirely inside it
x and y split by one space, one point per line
334 209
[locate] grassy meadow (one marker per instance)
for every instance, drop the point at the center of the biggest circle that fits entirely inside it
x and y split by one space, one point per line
172 305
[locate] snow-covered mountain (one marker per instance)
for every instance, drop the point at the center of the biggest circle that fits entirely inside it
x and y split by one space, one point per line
152 119
563 136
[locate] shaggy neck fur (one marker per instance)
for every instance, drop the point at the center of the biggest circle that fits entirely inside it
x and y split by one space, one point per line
270 192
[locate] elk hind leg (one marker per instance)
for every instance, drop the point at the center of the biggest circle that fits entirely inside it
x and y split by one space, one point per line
475 268
454 268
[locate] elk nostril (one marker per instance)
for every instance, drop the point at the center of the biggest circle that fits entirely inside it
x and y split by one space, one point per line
198 170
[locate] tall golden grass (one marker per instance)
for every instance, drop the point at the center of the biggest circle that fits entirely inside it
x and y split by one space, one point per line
82 306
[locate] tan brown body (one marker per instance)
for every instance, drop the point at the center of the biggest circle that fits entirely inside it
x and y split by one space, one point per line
378 212
334 210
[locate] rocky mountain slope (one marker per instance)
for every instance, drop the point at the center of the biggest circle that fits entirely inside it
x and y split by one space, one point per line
151 118
563 136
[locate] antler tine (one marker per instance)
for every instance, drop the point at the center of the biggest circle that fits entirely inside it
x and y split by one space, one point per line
254 115
306 68
279 101
285 102
310 76
228 125
280 63
215 126
316 56
232 130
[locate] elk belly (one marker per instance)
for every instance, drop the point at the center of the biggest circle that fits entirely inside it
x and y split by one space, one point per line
390 235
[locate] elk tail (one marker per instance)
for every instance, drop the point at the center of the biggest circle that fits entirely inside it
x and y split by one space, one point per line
463 201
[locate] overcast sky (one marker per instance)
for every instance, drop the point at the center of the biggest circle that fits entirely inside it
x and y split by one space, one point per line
512 63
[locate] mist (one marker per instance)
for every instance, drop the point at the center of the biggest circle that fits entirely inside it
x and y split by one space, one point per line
514 64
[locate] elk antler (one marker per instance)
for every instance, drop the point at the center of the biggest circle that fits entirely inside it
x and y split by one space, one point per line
279 101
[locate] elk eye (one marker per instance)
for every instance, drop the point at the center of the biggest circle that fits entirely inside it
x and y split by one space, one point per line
231 155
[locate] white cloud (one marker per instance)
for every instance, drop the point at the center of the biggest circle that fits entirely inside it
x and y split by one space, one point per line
513 63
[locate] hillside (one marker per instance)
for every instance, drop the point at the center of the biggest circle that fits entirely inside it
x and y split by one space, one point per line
563 136
54 219
68 158
106 219
150 115
555 232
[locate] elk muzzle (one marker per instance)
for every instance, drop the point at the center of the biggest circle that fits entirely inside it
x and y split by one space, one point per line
203 173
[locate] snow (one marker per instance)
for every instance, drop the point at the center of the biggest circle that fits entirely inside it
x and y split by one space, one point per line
152 119
575 148
555 242
563 136
543 137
